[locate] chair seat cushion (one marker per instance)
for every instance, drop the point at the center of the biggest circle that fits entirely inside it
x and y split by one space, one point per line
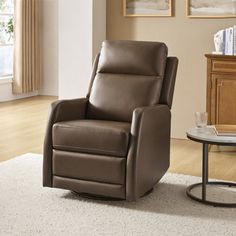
92 136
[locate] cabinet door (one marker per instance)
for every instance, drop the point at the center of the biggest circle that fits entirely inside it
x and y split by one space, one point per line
225 106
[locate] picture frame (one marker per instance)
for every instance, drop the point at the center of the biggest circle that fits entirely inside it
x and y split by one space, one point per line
213 9
148 8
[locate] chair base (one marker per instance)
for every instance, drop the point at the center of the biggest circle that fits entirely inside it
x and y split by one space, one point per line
97 197
104 198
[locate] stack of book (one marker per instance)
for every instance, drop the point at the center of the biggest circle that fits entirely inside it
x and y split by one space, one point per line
226 40
225 130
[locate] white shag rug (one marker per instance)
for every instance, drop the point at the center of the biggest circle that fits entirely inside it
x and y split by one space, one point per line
26 208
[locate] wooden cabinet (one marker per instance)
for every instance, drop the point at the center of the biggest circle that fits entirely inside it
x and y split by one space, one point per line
221 89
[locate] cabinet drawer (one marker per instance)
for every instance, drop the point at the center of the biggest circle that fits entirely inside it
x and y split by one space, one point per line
223 66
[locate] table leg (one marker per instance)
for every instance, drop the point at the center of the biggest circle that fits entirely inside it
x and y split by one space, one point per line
204 170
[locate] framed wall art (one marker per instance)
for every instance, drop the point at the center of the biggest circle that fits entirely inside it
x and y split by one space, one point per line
159 8
211 8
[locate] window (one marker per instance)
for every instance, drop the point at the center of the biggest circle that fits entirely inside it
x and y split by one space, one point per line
6 37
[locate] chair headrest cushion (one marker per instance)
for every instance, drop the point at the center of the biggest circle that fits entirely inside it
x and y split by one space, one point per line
133 57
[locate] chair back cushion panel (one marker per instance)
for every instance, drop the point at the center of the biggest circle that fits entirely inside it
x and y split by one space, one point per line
133 57
129 75
115 96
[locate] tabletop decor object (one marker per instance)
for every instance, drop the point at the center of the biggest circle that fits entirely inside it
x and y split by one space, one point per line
225 130
225 41
201 119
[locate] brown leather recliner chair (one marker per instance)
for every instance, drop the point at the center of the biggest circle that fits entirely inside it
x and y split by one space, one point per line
116 141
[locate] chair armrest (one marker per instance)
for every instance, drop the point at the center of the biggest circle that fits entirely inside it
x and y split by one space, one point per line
149 153
61 110
64 110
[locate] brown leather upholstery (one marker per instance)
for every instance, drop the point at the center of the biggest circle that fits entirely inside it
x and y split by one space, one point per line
169 81
133 57
92 187
92 136
98 168
111 92
129 75
115 142
60 111
148 157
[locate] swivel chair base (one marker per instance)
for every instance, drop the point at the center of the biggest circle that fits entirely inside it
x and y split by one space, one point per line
104 198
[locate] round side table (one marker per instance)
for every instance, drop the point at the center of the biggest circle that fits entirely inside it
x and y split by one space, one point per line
208 136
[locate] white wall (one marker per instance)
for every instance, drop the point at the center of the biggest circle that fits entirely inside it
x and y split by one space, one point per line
49 48
6 91
99 25
82 26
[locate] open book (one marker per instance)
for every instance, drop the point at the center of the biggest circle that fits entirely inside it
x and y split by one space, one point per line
225 130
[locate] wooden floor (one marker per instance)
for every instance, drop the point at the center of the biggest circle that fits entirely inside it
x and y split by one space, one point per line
22 128
186 158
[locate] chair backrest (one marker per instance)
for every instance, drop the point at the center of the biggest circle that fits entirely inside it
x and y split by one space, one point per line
168 86
126 75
